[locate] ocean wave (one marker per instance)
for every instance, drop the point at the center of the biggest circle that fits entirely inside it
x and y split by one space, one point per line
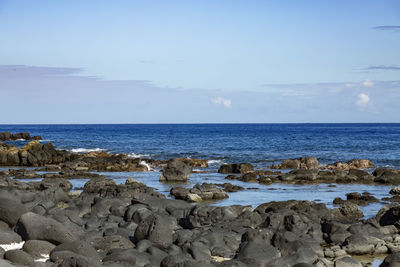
86 150
214 161
144 163
134 155
21 139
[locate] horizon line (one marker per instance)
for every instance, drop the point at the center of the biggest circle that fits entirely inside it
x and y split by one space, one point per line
196 123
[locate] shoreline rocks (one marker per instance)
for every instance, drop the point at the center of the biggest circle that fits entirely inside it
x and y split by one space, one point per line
133 225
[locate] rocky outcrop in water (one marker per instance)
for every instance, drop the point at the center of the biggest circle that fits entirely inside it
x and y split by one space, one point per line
7 136
176 171
236 168
351 164
299 163
199 193
311 163
33 154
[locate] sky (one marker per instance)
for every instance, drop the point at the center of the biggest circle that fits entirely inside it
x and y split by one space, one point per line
225 61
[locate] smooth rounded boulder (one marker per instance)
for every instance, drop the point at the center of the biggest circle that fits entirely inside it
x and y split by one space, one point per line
11 211
32 226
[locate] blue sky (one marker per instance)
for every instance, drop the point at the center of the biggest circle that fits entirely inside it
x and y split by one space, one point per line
199 61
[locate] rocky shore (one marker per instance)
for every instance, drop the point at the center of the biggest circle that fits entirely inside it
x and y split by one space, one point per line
46 223
133 225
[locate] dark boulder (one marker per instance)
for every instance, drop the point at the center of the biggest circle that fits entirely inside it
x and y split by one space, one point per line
387 176
176 171
11 210
32 226
257 253
389 215
236 168
158 229
78 247
37 248
392 260
18 257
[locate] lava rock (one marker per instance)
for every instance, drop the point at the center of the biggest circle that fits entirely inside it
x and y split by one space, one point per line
176 171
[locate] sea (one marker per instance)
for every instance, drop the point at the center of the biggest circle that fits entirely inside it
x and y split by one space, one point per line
258 144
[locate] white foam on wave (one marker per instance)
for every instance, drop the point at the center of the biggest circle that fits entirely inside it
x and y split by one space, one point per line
134 155
388 166
144 163
21 139
12 246
86 150
214 161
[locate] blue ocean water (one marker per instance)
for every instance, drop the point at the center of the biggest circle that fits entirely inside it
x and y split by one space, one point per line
260 144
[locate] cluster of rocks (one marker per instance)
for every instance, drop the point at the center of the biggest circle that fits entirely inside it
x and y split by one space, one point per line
7 136
311 163
133 225
33 154
310 176
65 173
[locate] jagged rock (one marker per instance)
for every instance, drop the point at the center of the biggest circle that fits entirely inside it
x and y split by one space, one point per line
387 176
236 168
176 171
199 193
299 163
395 191
351 164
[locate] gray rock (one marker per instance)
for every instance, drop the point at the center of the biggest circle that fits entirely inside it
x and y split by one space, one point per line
11 211
236 168
393 260
38 247
176 171
257 253
78 247
347 262
4 263
8 237
358 245
36 227
156 228
18 257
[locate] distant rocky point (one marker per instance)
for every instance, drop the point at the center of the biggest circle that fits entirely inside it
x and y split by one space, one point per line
7 136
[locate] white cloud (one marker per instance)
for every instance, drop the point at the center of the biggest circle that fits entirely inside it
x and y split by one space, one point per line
368 83
222 101
363 100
